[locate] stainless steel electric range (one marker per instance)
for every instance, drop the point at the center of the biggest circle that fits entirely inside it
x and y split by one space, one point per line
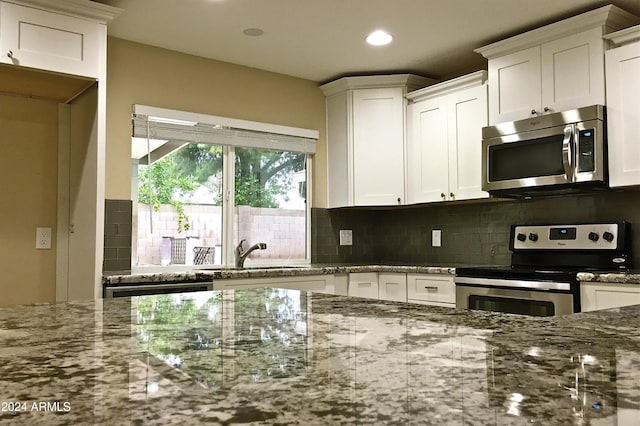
545 260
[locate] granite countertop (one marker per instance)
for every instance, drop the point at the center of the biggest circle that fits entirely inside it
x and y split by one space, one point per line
209 274
278 357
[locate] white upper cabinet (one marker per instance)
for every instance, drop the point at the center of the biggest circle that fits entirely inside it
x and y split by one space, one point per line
553 68
444 144
366 139
623 107
54 36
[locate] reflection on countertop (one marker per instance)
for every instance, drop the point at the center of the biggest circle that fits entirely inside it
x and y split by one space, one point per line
276 356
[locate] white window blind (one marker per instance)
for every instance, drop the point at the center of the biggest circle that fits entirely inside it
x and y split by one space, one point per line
164 124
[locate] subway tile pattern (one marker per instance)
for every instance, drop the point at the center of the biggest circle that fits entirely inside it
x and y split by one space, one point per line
475 233
117 236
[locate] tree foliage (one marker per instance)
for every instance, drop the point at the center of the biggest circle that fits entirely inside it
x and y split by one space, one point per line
260 175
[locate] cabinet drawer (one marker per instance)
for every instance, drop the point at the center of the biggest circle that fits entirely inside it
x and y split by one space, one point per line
431 288
50 41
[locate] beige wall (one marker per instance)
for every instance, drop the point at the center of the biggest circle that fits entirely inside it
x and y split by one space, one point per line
28 194
142 74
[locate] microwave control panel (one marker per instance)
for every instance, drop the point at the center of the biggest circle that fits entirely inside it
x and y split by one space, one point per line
586 142
599 236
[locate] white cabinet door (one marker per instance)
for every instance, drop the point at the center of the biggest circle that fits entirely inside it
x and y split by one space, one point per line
466 117
313 283
392 286
514 85
50 41
363 284
573 72
378 146
596 296
427 152
431 289
444 146
623 114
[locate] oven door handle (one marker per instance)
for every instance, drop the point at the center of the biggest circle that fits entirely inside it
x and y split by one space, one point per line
516 284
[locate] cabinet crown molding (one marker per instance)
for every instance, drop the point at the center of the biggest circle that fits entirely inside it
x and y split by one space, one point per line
408 81
628 35
464 82
87 9
610 18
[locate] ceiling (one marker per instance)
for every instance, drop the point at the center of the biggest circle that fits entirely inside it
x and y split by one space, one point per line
322 40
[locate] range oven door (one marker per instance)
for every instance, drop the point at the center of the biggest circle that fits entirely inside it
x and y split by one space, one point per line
516 297
561 156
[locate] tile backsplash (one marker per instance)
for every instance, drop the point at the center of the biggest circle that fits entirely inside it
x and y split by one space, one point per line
117 235
472 233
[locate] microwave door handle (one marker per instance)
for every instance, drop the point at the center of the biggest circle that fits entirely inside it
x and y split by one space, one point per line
567 153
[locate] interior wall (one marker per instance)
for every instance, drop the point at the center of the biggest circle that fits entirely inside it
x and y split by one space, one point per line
28 194
142 74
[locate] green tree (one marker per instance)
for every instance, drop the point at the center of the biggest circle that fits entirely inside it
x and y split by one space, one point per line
157 185
260 175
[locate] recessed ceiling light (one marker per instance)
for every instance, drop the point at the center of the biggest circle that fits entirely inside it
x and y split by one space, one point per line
253 32
379 38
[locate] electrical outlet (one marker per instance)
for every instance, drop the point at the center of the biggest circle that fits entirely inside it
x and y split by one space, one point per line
436 238
43 238
346 237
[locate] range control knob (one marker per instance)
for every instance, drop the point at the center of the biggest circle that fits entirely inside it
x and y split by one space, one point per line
521 237
608 236
533 237
593 236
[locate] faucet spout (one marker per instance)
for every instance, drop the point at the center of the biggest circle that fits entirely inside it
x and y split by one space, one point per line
241 253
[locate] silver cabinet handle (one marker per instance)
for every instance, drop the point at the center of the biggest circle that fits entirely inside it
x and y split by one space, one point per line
442 195
428 287
399 200
534 112
547 109
452 195
10 54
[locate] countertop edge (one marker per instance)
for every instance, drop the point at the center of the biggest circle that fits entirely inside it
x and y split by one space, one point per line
208 275
203 275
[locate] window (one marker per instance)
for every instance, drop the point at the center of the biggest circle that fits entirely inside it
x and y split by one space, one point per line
204 184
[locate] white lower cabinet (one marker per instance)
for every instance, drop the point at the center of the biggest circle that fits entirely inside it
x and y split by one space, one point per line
431 289
363 284
596 296
392 286
314 283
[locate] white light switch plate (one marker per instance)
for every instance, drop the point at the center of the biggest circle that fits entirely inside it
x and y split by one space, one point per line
346 237
436 238
43 238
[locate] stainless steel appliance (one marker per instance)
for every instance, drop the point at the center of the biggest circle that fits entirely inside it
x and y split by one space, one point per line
554 153
545 260
111 291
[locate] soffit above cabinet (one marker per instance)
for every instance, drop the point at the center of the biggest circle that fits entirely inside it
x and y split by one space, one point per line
610 18
409 81
628 35
60 88
79 8
470 80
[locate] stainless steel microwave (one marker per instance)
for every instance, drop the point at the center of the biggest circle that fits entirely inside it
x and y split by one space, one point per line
551 154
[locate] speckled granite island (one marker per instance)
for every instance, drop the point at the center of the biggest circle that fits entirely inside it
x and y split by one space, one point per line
276 357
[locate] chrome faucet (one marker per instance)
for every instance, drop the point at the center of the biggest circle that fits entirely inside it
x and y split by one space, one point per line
241 254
